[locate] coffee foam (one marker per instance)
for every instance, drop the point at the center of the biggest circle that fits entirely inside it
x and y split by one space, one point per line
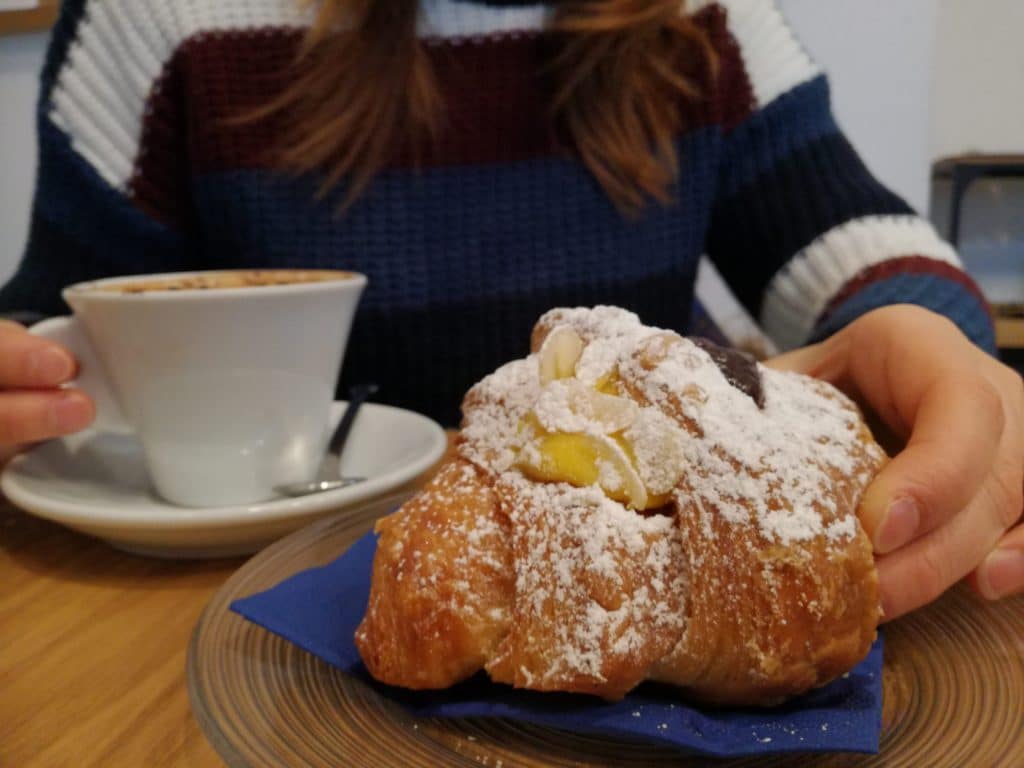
203 281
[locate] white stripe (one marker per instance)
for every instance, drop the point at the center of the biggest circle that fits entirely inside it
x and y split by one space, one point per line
800 291
772 56
122 47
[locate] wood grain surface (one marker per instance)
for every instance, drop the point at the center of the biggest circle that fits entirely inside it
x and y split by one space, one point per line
953 690
92 650
93 658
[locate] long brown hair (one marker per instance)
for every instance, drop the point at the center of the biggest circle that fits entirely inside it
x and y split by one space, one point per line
619 70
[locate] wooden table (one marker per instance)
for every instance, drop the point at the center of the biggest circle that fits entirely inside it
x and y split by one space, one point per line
92 651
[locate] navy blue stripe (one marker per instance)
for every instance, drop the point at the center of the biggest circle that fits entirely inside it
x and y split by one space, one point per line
83 228
485 248
934 292
461 261
71 193
456 233
55 260
769 136
772 217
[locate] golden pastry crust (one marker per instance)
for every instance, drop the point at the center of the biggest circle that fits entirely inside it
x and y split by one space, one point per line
752 583
442 584
765 619
578 624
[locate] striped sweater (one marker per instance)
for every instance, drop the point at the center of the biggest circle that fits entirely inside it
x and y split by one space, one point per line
140 172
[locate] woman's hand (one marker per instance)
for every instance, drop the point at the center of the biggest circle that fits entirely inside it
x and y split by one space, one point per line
32 408
949 504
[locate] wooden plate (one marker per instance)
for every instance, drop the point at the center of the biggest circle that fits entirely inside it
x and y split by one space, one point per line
953 682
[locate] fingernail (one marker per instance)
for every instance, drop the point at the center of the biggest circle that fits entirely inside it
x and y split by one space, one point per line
50 365
898 526
70 413
1001 573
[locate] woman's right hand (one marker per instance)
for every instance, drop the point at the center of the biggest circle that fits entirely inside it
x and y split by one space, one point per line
32 407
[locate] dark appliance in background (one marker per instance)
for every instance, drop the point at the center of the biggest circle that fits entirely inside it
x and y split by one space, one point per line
977 203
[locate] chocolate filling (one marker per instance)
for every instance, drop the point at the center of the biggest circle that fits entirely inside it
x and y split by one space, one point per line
739 368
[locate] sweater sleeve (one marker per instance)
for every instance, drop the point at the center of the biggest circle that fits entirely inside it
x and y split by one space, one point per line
94 212
803 233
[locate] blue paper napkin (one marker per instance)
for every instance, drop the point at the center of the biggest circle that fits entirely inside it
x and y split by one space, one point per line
319 611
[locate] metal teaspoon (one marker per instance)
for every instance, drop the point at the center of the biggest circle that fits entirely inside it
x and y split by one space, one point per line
327 478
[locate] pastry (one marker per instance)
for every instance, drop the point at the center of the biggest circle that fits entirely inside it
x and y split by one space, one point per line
626 504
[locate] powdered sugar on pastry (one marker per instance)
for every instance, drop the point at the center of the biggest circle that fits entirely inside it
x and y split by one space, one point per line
774 463
651 508
600 590
492 411
666 409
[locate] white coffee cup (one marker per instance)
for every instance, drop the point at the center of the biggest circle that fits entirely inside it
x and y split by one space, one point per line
227 382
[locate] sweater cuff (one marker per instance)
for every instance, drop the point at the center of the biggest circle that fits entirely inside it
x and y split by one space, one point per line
867 263
939 287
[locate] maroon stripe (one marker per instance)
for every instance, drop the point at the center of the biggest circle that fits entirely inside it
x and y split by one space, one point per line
734 98
495 109
159 181
905 265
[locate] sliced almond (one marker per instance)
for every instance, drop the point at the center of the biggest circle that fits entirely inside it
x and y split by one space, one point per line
658 448
568 405
611 413
598 362
559 353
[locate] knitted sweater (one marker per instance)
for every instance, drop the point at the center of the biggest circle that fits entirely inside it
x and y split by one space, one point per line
140 172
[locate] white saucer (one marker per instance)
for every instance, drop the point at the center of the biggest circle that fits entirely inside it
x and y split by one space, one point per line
96 483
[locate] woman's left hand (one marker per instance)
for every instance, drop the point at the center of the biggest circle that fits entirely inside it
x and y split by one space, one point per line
949 503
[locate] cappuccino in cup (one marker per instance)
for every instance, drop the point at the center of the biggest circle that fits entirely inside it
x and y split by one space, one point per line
216 281
225 377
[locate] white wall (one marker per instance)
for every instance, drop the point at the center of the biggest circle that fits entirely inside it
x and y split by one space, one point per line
978 93
21 59
878 55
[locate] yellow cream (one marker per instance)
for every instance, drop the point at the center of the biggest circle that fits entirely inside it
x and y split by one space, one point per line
594 453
